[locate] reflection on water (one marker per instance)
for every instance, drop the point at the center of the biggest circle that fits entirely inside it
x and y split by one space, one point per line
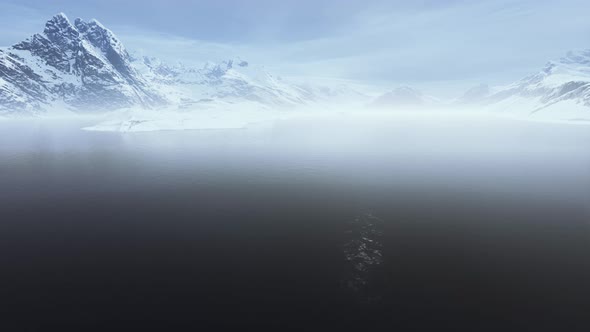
363 251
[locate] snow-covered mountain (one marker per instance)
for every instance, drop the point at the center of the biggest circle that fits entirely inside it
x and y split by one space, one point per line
80 66
560 91
83 67
404 98
475 94
233 81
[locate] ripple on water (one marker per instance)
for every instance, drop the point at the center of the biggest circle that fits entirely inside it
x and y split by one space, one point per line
363 252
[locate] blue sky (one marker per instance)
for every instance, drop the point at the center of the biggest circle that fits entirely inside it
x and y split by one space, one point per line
440 46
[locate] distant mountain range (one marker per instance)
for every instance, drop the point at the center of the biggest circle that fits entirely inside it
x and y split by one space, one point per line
83 67
561 90
230 81
404 98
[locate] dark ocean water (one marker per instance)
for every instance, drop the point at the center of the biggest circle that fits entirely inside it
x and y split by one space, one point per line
312 224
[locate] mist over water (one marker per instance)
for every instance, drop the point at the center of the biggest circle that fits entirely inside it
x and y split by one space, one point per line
340 220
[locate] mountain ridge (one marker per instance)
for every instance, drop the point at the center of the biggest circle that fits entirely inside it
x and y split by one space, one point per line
80 66
560 90
83 67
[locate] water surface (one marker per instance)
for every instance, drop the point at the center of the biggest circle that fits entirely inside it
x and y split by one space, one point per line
340 221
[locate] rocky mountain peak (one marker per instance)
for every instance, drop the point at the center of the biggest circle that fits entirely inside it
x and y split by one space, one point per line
217 70
60 31
106 41
83 65
99 36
